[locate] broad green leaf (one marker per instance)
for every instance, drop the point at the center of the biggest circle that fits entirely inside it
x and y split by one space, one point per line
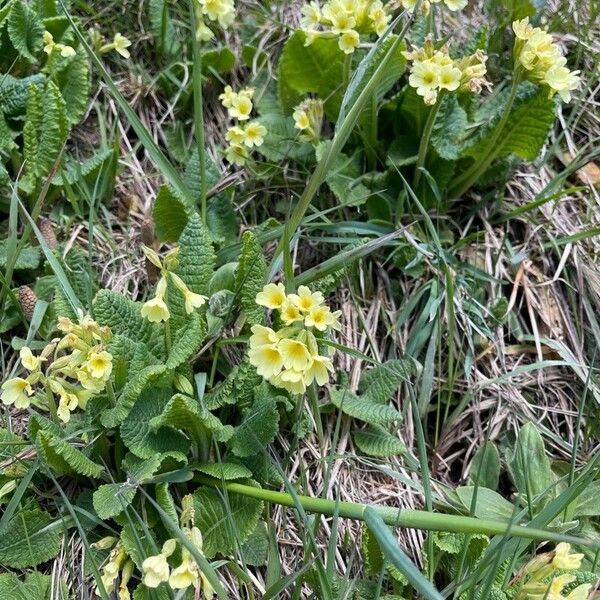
111 499
188 340
380 383
141 591
256 547
162 27
377 441
489 504
485 468
250 278
35 587
30 537
343 179
259 426
25 30
227 471
450 129
218 60
224 524
363 409
170 215
238 387
72 76
316 69
64 458
529 465
138 544
588 503
139 437
29 258
14 92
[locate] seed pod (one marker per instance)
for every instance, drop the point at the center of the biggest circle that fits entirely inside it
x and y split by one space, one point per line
47 230
28 299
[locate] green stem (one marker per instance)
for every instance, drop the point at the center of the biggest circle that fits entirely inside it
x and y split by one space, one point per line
198 111
462 183
425 138
415 519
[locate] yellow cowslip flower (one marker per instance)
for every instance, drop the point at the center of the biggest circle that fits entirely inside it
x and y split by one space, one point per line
321 317
311 16
236 154
295 354
262 336
227 97
155 310
348 41
290 313
442 59
106 543
342 22
28 360
120 44
455 5
66 405
522 29
216 10
301 120
67 51
241 107
254 134
16 391
82 397
379 18
99 364
192 300
272 296
155 570
203 32
184 575
425 78
449 77
49 42
306 300
318 370
290 380
236 135
562 81
563 559
268 360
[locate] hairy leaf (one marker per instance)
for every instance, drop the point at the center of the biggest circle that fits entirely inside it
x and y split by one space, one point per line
188 340
225 471
63 458
111 499
363 409
380 383
251 277
72 76
25 30
377 441
450 129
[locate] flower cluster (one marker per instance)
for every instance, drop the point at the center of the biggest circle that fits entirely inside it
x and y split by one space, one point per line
120 43
344 19
241 136
543 578
433 71
308 119
156 309
156 569
219 11
542 60
290 358
73 368
51 46
425 7
118 562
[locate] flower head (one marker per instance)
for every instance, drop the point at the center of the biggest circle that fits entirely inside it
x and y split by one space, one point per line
28 360
155 570
184 575
295 354
241 107
262 336
120 44
99 364
254 134
16 391
563 559
155 310
236 154
348 41
306 300
267 359
318 370
272 296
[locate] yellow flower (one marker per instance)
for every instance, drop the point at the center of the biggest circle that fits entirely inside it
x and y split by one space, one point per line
306 300
455 4
522 29
449 77
272 296
49 42
236 155
262 336
90 383
267 360
562 81
295 354
379 18
184 575
563 559
227 97
155 310
425 78
342 22
120 44
311 15
16 391
290 380
28 360
318 370
66 51
203 32
67 404
348 41
155 570
235 135
290 313
191 299
254 134
301 120
321 317
241 107
247 93
99 364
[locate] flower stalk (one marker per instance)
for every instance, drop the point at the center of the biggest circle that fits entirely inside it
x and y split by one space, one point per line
425 138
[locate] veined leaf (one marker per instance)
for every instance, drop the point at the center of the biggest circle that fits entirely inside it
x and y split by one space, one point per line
250 278
170 214
450 129
224 524
363 409
111 499
489 504
188 340
63 458
227 471
380 383
377 441
25 30
72 76
14 92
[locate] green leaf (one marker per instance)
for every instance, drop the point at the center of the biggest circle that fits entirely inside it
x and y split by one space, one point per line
139 437
363 409
489 504
343 179
450 129
138 544
162 27
188 340
251 277
30 537
380 383
25 30
259 426
224 524
35 587
14 93
377 441
529 465
112 498
485 468
256 548
227 471
72 76
218 60
316 69
29 258
170 215
124 317
588 503
63 458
